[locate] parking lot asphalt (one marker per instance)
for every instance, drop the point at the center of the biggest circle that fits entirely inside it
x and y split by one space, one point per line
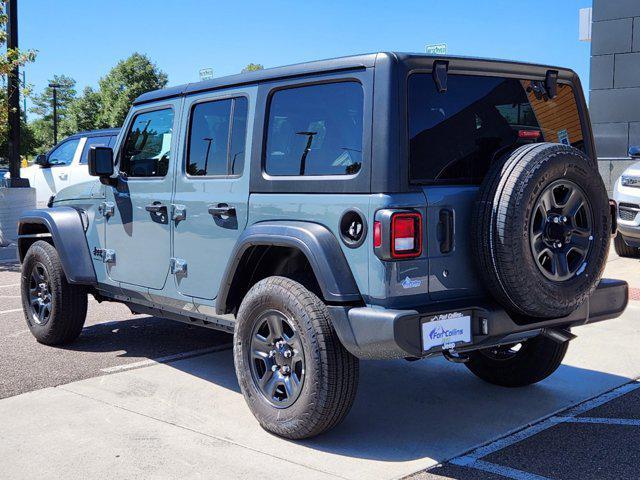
113 339
104 408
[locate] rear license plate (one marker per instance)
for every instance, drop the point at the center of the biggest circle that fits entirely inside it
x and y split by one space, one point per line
446 331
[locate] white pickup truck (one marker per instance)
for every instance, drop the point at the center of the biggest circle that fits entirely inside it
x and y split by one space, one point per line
65 164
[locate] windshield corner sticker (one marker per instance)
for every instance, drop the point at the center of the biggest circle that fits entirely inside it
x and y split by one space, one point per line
409 283
563 137
446 330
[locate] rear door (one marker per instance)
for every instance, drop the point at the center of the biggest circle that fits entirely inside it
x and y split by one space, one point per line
212 189
454 138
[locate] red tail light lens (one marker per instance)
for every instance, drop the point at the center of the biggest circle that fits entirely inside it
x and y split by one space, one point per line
529 134
406 235
377 234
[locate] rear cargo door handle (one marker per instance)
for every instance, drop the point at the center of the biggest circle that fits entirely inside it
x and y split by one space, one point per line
445 230
222 210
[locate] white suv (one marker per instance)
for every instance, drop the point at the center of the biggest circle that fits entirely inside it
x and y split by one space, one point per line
626 193
65 164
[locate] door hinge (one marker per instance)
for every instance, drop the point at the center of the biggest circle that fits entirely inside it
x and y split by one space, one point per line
179 213
106 255
107 209
178 266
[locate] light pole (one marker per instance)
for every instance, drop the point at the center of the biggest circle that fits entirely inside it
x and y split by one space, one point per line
55 87
13 96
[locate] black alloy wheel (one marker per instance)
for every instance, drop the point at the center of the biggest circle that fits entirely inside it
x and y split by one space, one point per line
277 359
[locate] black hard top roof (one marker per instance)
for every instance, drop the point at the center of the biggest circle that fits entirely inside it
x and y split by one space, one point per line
301 69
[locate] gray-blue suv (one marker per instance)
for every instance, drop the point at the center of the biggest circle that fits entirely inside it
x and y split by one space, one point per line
378 206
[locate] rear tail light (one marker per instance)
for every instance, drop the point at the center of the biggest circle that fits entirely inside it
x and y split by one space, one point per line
406 235
533 134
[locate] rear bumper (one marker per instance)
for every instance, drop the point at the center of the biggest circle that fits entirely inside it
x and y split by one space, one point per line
377 333
630 234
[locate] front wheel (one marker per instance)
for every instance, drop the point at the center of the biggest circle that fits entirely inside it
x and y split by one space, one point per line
297 378
518 365
55 310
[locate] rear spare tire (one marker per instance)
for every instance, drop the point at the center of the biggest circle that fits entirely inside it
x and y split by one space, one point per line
542 230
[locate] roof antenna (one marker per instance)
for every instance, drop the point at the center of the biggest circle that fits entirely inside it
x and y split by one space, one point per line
440 69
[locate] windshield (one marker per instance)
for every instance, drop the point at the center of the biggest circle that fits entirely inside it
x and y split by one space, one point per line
455 136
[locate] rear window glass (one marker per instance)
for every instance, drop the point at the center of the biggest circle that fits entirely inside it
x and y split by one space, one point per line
455 136
93 142
315 130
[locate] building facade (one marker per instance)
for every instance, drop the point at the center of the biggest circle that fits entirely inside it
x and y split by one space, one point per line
614 102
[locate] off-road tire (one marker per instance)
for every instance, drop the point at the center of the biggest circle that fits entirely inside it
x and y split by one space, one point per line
68 302
624 250
331 373
537 358
501 221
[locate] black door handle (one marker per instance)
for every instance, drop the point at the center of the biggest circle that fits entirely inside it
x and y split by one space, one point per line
155 207
222 210
446 231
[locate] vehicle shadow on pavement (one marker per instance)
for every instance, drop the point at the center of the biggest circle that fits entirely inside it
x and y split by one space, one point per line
407 411
146 337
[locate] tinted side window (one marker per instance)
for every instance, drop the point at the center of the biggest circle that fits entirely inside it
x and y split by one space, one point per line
93 141
216 137
315 130
146 150
63 153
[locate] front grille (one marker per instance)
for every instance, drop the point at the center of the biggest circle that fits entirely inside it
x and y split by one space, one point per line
626 214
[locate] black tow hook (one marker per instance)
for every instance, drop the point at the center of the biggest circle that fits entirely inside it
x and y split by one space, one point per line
455 357
560 335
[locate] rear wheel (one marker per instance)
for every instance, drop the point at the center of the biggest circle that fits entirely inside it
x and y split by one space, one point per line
520 364
624 250
54 309
295 375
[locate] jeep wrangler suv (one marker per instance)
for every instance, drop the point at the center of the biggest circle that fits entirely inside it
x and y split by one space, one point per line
378 206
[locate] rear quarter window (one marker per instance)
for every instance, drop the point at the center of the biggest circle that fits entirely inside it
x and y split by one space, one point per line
455 136
315 130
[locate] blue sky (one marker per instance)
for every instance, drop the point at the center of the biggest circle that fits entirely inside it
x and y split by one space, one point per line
84 39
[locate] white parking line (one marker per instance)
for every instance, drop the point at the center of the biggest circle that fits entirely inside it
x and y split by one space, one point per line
602 399
11 311
494 468
473 458
11 285
168 358
631 422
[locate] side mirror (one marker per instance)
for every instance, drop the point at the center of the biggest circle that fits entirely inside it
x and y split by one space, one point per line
634 152
100 162
42 160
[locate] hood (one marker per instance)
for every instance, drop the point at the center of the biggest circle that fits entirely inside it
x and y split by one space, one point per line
81 191
633 170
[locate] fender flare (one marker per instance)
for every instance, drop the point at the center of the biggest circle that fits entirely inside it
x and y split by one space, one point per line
316 242
68 235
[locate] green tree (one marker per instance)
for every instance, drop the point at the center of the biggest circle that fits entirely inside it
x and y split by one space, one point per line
42 128
128 79
66 93
84 112
252 67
